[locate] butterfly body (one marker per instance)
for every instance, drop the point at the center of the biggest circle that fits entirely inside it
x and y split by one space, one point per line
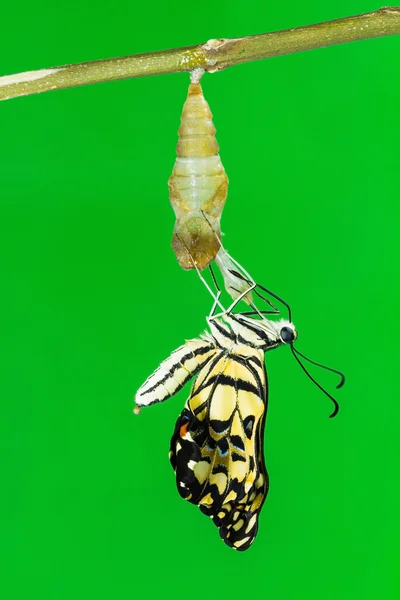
217 445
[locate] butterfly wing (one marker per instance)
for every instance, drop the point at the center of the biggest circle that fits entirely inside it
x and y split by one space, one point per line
217 446
238 522
174 372
189 442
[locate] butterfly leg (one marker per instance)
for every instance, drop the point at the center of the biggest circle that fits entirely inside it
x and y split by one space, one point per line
252 286
216 301
215 296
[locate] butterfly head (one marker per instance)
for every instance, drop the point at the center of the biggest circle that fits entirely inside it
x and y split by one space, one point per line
280 332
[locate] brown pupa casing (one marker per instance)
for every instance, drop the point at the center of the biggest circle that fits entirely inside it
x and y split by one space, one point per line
198 185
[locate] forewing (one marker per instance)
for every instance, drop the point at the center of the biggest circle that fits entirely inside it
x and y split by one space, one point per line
174 372
217 446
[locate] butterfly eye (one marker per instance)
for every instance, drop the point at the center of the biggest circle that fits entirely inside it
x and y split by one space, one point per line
288 335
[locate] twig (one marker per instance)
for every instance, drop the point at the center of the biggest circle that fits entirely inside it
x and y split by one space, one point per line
212 56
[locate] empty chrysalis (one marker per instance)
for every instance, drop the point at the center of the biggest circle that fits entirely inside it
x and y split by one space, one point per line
198 185
234 285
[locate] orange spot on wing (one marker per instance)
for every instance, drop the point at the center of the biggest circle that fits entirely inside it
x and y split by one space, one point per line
184 429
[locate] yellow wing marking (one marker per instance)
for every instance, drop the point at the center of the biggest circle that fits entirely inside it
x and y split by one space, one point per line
223 401
207 373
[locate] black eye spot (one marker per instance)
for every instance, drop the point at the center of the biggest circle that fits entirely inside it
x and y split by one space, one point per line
287 335
248 424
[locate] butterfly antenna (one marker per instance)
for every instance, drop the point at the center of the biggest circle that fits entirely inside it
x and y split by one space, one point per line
336 409
255 310
279 300
257 293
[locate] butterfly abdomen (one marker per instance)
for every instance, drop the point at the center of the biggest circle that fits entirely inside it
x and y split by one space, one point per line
198 185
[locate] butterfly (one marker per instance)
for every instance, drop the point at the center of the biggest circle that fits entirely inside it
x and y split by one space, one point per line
217 448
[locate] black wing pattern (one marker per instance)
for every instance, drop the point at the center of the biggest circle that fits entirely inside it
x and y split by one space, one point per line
174 372
217 447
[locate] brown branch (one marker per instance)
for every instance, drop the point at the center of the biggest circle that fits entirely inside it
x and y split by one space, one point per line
212 56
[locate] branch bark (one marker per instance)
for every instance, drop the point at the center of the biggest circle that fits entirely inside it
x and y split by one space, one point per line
212 56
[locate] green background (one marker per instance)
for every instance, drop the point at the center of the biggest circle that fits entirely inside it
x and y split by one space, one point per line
92 299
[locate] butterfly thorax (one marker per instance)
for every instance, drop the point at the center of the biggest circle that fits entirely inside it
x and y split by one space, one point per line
231 331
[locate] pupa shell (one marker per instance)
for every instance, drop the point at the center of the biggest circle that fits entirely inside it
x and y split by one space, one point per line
198 186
